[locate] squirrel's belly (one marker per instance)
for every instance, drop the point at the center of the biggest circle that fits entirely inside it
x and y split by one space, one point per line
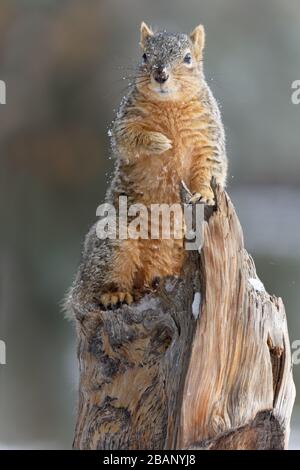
156 179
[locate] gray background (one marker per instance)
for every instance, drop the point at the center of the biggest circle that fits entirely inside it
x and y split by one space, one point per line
64 63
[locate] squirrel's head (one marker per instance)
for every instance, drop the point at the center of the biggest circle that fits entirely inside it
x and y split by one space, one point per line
171 65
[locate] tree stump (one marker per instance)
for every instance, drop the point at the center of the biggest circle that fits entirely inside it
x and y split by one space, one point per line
202 363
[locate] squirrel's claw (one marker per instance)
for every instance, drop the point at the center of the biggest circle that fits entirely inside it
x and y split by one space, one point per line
113 298
206 197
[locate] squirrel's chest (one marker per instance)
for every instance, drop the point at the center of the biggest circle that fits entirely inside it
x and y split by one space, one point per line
159 176
182 124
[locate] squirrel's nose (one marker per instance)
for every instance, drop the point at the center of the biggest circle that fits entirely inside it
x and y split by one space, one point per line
160 75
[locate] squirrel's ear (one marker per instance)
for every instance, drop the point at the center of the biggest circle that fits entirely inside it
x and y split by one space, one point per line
145 33
197 37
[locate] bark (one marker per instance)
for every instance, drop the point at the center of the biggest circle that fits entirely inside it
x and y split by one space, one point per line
152 376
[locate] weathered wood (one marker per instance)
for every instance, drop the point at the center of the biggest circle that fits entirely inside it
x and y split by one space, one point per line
154 377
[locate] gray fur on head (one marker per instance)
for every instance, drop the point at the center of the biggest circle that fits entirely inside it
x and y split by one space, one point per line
164 49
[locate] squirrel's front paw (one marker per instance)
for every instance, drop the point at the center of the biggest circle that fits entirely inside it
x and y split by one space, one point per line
205 195
158 143
110 299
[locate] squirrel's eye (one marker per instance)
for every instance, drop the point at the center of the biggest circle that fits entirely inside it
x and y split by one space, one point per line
145 58
187 58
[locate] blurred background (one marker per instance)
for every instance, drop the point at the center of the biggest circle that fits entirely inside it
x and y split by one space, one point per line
64 64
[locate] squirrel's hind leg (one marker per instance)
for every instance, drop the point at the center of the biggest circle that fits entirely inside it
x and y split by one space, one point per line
121 270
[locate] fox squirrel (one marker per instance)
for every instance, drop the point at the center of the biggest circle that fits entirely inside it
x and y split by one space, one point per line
168 129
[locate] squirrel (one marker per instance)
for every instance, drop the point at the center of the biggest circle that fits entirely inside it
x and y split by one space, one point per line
168 129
